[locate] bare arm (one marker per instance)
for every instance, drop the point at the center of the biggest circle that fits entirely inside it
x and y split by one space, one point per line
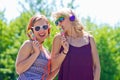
56 57
96 62
24 58
53 74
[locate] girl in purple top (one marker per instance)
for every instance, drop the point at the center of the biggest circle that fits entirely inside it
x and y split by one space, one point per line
79 58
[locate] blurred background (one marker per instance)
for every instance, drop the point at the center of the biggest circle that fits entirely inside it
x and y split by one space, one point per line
100 17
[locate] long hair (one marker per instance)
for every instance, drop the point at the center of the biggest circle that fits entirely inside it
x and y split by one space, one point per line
66 12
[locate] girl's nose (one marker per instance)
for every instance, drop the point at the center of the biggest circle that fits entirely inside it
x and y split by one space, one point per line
41 30
59 23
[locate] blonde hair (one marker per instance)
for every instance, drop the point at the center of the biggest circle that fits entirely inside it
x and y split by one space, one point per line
66 12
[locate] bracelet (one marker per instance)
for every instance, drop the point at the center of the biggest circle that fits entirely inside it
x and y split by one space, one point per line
64 53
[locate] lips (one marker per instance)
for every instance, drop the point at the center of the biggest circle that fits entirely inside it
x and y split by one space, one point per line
62 27
42 34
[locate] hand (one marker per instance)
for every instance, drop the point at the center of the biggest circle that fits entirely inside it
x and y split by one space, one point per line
65 44
36 46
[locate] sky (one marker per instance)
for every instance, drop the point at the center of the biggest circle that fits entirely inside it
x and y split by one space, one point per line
11 8
100 11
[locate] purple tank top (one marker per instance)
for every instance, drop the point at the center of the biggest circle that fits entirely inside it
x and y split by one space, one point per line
78 64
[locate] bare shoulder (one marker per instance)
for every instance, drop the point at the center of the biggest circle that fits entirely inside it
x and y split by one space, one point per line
27 45
56 45
92 41
57 37
24 51
89 36
27 42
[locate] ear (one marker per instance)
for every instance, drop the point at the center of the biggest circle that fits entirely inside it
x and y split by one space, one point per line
32 30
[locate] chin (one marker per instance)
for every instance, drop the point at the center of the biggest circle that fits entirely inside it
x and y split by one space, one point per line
43 38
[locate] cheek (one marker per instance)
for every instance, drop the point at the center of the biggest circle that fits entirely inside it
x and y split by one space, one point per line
35 33
47 32
65 27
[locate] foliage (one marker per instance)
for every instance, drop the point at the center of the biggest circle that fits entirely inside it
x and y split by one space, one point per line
2 15
11 39
108 45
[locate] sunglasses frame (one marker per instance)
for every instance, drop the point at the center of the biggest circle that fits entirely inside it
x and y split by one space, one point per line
60 19
40 27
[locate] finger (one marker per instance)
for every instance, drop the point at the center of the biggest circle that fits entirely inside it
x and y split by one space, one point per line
63 38
63 42
33 43
66 44
36 43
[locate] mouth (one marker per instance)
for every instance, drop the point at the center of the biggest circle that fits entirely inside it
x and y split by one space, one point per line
62 27
42 35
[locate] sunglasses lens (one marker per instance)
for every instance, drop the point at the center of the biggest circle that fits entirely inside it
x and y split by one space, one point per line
61 19
56 22
37 28
45 27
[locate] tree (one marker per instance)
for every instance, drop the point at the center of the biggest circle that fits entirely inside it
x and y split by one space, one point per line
107 41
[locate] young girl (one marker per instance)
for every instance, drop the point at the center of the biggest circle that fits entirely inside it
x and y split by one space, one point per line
81 60
32 61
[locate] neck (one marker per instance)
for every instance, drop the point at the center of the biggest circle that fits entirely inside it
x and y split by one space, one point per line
41 47
72 33
40 41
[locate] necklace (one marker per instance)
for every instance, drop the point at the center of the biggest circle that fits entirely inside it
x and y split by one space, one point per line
78 42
